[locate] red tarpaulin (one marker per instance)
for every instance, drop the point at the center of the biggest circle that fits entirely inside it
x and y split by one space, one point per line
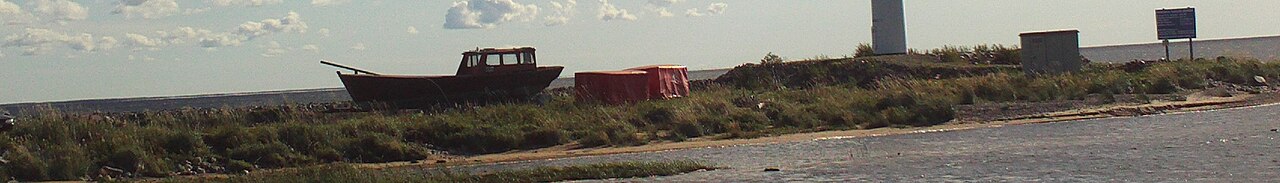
635 84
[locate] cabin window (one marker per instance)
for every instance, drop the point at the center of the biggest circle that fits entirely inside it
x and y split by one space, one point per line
528 58
493 59
508 59
472 60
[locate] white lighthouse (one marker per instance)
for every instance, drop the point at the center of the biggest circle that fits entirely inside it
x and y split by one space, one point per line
888 27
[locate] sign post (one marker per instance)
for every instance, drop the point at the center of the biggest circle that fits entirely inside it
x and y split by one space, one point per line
1177 23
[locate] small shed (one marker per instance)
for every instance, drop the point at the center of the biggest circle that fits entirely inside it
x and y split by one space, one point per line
666 81
1051 52
632 85
611 86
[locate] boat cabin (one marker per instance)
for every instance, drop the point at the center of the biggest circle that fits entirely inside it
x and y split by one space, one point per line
498 61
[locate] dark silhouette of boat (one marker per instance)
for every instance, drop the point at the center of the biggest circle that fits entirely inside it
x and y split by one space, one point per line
484 76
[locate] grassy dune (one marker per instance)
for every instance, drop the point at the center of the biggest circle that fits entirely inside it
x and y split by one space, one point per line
750 101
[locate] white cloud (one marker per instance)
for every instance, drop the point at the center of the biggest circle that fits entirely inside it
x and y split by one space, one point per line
219 40
245 2
661 7
180 34
192 11
412 30
311 47
290 23
359 47
8 8
274 49
35 41
144 58
693 13
107 42
149 9
483 14
323 32
663 12
327 2
561 12
713 9
716 8
138 40
664 3
61 10
83 42
610 12
11 13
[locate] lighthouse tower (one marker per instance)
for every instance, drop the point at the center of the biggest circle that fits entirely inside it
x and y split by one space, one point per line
888 27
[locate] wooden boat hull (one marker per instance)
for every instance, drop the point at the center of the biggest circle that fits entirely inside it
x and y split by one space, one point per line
422 91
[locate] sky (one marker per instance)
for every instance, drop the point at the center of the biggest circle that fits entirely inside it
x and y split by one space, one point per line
58 50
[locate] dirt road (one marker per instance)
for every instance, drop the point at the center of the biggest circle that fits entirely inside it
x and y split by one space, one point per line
1236 145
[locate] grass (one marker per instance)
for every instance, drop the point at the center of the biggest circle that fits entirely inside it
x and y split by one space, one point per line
347 173
750 101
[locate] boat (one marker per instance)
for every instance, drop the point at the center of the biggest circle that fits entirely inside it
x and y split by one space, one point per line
484 76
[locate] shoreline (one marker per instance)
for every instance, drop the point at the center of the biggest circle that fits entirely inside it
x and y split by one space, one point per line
1101 112
1193 104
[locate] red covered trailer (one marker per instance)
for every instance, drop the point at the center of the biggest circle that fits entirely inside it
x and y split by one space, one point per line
632 85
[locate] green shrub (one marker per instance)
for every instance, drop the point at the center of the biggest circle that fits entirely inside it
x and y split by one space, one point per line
312 140
136 160
543 137
609 133
270 154
238 166
184 143
375 147
864 50
67 162
771 59
688 130
658 115
25 165
225 138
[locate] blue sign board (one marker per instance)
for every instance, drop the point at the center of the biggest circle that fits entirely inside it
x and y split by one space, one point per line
1176 23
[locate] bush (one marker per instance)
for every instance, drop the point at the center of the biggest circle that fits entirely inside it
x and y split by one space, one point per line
543 137
70 162
382 148
25 165
311 140
184 143
688 130
136 160
864 50
609 133
225 138
270 154
771 59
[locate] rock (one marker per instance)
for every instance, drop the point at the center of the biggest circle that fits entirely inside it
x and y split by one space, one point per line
109 173
772 169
